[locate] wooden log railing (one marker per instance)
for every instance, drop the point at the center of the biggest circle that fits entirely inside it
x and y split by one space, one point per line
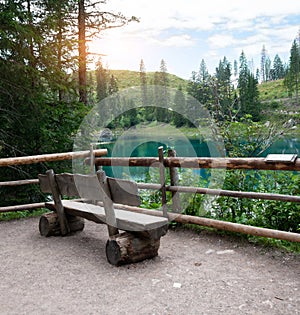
173 162
213 163
221 225
222 192
203 162
24 160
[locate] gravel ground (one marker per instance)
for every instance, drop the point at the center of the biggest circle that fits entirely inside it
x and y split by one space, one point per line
194 273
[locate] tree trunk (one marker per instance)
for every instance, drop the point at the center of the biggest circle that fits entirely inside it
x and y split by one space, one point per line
82 53
128 248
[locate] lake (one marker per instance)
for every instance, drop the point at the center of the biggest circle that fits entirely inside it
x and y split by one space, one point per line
145 146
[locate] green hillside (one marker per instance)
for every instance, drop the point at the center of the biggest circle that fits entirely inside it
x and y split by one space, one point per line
272 90
127 78
274 96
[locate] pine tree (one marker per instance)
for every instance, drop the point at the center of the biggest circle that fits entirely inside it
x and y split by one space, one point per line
293 75
243 82
161 82
253 104
223 91
179 108
143 81
248 91
102 78
263 64
267 68
223 75
278 69
235 68
143 75
57 51
92 21
199 86
113 85
163 74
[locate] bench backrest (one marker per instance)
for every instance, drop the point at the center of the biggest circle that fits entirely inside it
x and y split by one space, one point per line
88 187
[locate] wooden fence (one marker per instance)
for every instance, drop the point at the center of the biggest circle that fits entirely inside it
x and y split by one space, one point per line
172 163
25 160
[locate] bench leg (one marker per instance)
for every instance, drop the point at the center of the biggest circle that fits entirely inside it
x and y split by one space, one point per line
49 224
126 247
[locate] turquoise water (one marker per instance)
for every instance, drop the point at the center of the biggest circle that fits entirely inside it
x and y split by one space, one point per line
145 147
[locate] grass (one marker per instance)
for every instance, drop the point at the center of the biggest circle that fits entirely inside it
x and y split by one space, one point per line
128 78
272 90
7 216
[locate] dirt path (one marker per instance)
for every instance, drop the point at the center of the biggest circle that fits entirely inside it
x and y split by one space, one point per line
193 274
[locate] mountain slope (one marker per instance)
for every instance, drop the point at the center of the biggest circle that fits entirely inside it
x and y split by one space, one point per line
127 78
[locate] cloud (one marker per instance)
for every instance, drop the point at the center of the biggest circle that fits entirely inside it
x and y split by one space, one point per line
203 29
220 17
183 40
221 41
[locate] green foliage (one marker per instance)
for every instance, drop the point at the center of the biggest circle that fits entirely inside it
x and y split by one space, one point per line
43 129
264 213
248 91
127 78
245 138
6 216
272 90
292 78
278 71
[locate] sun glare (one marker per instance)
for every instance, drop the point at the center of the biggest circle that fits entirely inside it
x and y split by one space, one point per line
112 50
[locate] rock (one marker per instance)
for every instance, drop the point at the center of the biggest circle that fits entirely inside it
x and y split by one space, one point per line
105 135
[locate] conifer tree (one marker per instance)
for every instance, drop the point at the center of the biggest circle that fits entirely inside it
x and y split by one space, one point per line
278 71
248 91
161 82
113 85
92 21
263 64
143 81
199 85
102 78
293 75
179 108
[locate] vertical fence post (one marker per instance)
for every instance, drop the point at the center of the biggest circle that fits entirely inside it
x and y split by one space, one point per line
176 207
162 180
92 159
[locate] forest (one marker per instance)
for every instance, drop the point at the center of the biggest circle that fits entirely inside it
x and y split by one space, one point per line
47 87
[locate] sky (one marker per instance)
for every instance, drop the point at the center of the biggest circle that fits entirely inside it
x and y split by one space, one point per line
183 32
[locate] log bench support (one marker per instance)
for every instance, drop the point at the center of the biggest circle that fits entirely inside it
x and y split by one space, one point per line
126 247
132 237
49 224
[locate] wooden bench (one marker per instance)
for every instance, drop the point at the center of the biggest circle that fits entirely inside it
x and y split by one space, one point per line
141 234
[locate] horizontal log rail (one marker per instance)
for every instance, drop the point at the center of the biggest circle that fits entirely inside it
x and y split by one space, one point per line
203 162
222 192
22 160
30 206
218 224
20 182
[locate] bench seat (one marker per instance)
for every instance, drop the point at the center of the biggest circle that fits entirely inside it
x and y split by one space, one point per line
141 233
126 220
